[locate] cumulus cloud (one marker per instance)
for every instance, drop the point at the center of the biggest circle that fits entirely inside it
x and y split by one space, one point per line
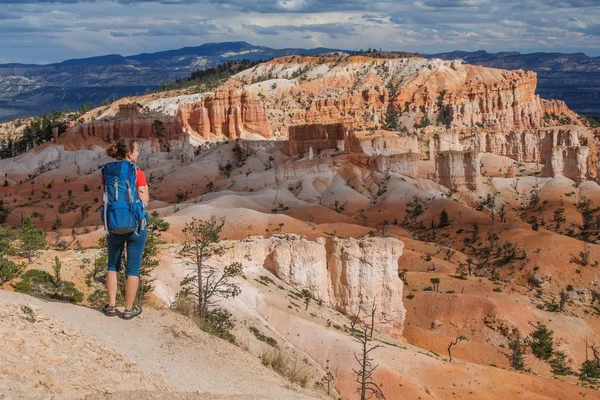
54 30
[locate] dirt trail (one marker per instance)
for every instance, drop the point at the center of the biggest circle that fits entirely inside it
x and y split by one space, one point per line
68 352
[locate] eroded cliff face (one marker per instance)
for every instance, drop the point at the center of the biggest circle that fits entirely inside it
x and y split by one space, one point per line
318 137
225 114
164 128
570 162
454 169
461 95
363 274
348 274
362 92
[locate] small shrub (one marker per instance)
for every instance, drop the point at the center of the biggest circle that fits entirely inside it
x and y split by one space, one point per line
41 283
263 338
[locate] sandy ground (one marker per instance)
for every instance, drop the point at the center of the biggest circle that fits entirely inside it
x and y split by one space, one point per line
158 344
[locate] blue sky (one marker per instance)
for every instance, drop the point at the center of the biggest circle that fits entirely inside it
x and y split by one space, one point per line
43 31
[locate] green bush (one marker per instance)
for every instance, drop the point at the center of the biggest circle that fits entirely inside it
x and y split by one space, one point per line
263 338
40 283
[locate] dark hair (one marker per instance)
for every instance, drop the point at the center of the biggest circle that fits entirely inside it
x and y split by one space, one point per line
121 148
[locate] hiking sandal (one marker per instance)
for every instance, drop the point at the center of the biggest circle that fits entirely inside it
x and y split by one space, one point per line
134 312
109 311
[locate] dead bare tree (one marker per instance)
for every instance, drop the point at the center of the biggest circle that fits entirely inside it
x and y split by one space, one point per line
596 353
373 309
458 339
368 388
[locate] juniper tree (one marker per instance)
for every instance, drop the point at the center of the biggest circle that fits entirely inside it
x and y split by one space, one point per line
31 238
204 282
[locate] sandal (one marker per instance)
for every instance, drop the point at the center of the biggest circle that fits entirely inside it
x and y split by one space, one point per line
134 312
109 311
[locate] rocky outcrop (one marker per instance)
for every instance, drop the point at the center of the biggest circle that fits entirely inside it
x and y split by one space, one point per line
140 127
350 275
382 143
364 273
364 93
570 162
454 169
532 146
225 114
182 151
557 109
404 164
460 95
317 137
301 168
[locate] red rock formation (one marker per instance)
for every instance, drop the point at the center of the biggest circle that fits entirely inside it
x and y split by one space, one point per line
558 108
465 95
316 136
225 114
140 127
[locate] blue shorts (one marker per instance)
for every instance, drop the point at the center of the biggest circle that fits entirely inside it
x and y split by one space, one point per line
135 250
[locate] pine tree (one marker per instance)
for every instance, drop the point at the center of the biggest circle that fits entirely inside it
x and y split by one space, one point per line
205 283
8 269
32 239
444 219
560 365
541 342
589 370
3 212
516 357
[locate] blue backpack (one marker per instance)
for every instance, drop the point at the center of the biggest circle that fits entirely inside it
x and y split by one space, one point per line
123 212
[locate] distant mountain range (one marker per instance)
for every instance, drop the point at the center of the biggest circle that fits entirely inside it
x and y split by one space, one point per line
27 89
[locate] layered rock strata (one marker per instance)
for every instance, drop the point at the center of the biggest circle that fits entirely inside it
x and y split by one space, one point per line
317 137
140 127
226 114
454 169
570 162
381 143
350 275
403 164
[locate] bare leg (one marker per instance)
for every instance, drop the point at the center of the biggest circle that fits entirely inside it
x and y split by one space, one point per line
111 286
131 288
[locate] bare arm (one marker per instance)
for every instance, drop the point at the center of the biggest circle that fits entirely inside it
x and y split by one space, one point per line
143 194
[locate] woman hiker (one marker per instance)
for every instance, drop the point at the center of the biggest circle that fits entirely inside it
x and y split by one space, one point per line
124 215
